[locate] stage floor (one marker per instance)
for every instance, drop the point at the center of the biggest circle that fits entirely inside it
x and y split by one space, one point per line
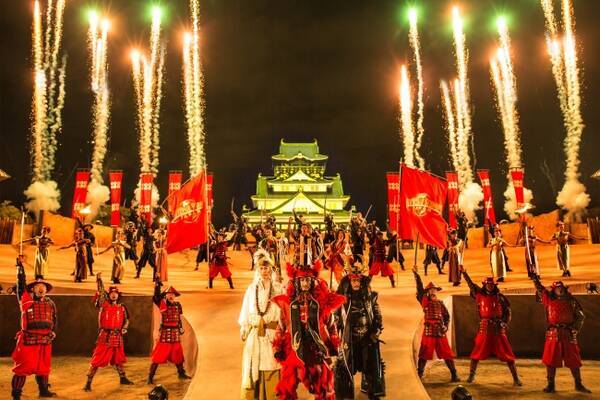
213 313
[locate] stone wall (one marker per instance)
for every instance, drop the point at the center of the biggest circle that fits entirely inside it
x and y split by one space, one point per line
78 324
527 327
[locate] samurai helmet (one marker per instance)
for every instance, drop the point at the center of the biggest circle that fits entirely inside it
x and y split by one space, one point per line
171 289
356 270
489 280
31 285
432 285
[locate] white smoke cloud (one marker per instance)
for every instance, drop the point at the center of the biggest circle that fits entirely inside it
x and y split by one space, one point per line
469 200
510 205
573 198
97 195
42 196
155 196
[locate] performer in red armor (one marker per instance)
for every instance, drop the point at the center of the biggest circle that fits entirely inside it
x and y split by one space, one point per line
306 337
436 321
380 263
33 352
493 309
113 319
168 348
218 261
565 318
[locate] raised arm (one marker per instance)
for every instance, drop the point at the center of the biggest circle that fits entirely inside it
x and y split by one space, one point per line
472 285
21 278
157 295
419 283
101 294
540 289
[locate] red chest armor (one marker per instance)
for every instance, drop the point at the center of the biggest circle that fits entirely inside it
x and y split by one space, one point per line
559 312
379 252
39 322
171 316
112 316
171 319
489 306
434 318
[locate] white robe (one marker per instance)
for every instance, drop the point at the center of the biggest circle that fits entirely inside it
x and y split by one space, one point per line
258 351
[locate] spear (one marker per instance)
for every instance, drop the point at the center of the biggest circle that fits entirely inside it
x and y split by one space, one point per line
22 224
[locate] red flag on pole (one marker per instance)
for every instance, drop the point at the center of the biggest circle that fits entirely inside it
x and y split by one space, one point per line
115 178
517 176
422 200
488 201
209 194
80 192
393 190
145 209
188 226
452 178
175 178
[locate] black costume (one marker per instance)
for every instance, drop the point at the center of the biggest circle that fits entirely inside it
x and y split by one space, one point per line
360 324
148 254
131 238
432 257
394 252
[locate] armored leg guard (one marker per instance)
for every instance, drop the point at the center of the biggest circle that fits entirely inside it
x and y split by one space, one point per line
151 373
513 370
576 372
472 371
18 381
421 367
181 372
43 386
122 377
90 378
453 374
551 374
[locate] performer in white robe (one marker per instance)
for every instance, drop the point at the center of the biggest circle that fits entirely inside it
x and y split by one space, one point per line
258 320
497 259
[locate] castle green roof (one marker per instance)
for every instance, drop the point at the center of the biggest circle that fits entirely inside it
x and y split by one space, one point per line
291 151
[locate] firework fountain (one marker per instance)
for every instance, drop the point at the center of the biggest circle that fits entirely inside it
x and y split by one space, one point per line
98 193
413 35
193 83
504 82
48 102
406 124
148 82
565 69
455 98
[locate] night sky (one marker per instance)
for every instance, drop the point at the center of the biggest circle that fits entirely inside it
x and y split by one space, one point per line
300 70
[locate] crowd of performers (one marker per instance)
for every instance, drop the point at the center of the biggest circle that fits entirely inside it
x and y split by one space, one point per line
301 331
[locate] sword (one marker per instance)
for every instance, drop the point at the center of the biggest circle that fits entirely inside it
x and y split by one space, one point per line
368 211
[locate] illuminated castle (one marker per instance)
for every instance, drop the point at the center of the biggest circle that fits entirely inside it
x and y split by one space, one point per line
299 183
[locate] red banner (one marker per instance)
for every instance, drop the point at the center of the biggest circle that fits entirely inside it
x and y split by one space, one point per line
145 209
517 175
209 194
452 178
80 192
488 201
422 201
116 179
175 178
188 225
393 190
